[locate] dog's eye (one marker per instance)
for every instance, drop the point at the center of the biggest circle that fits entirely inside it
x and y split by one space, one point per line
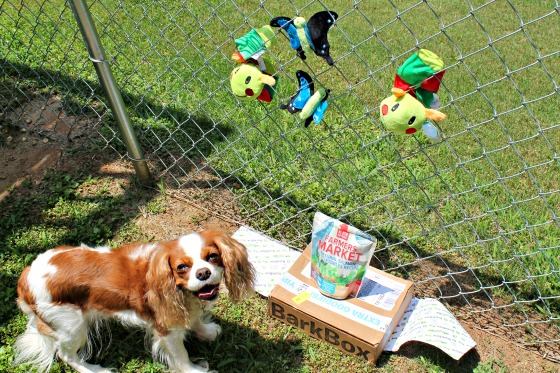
411 120
213 258
182 267
395 107
247 80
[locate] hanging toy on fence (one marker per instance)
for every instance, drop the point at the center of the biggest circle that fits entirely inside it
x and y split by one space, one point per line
310 36
414 101
253 78
310 104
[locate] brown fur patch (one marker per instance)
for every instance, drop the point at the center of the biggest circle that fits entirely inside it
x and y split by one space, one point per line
23 291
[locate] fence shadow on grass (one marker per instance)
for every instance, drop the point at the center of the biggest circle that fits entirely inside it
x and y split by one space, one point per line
182 141
31 224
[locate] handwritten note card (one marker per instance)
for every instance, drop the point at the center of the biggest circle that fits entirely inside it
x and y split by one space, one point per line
428 321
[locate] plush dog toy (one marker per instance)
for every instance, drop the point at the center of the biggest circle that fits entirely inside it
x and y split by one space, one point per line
310 36
253 79
310 104
412 105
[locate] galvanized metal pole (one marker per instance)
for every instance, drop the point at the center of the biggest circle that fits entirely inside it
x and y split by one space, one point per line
97 56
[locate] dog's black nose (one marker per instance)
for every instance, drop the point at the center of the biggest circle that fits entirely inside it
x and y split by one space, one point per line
203 274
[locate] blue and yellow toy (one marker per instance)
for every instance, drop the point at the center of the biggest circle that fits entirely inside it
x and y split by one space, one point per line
310 36
310 104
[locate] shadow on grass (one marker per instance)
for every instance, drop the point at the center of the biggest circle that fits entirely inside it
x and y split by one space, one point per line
37 217
179 140
431 356
237 349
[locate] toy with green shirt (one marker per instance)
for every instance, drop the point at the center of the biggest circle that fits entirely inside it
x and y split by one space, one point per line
413 103
253 78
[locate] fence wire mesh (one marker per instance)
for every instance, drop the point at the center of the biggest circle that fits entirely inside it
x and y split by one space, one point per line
473 219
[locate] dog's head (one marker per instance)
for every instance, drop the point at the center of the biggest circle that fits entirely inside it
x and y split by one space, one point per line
197 263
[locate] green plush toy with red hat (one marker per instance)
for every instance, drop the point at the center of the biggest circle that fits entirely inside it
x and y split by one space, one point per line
253 78
413 104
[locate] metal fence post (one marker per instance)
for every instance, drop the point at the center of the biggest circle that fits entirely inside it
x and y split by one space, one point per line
97 56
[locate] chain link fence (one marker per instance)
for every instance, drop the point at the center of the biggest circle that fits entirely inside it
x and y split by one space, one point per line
473 219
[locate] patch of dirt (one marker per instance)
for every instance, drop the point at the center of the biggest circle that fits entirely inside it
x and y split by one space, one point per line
188 209
45 115
515 358
482 309
32 140
24 160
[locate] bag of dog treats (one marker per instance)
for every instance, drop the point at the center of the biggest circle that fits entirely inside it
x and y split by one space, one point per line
340 255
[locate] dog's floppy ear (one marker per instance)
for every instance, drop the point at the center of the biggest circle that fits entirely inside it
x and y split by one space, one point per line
239 274
160 274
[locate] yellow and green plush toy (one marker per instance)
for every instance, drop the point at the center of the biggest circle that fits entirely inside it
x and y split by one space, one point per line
413 103
248 82
253 78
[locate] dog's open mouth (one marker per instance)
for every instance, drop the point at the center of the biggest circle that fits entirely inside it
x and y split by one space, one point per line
208 292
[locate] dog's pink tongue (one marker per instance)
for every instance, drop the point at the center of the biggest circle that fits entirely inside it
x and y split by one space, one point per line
209 294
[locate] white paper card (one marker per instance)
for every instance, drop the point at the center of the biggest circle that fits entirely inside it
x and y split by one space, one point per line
381 291
270 258
428 321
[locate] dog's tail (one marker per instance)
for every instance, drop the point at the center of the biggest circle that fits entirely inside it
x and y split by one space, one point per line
36 345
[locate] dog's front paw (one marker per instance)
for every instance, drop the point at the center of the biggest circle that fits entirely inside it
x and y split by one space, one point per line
208 332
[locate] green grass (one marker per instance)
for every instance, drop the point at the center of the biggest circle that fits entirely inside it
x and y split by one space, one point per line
486 198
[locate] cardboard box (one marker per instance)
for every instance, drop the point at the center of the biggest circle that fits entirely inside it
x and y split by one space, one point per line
359 326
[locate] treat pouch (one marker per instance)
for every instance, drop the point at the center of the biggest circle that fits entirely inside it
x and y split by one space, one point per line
340 254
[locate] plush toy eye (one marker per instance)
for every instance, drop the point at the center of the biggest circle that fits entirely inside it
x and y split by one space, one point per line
395 107
247 80
249 92
182 267
411 120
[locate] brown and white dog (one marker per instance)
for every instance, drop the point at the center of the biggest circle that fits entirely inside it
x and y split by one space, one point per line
164 287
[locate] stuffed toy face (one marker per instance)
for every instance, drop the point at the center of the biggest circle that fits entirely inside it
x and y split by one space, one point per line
402 113
247 81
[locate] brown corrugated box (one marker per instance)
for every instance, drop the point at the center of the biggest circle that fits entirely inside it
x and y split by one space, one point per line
358 326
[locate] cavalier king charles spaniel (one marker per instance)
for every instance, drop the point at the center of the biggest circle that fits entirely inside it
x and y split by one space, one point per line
166 288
